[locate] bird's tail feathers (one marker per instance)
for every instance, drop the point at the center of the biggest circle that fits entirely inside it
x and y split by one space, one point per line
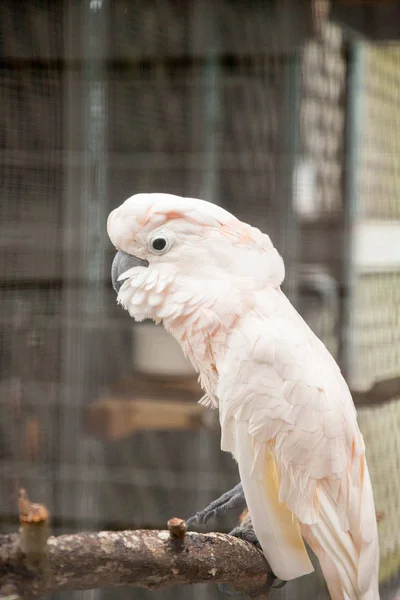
348 555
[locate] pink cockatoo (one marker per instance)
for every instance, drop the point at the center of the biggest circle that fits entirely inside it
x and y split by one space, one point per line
285 410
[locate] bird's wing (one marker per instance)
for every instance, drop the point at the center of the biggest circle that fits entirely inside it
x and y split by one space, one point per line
283 400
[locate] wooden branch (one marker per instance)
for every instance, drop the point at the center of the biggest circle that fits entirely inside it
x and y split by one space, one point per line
381 392
114 418
160 387
142 558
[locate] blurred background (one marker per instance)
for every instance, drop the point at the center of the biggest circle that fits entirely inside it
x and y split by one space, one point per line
287 113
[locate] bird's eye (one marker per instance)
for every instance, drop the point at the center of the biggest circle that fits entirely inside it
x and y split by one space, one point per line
159 244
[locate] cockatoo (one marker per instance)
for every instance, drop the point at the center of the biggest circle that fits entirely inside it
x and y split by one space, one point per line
286 413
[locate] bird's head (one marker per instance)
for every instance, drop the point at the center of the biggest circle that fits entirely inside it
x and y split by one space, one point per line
173 250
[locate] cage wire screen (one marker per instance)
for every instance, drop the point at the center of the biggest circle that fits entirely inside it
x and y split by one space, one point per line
271 109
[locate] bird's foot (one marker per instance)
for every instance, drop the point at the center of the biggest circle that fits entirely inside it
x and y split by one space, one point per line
247 534
234 499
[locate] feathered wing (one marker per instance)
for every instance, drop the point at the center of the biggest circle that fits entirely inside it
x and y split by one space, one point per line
288 418
278 532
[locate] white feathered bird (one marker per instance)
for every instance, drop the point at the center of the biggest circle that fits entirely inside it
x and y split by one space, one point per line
286 413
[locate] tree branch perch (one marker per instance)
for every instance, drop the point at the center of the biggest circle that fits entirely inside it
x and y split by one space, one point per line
142 558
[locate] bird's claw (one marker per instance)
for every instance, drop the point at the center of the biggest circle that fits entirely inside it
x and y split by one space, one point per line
278 583
200 518
233 499
247 534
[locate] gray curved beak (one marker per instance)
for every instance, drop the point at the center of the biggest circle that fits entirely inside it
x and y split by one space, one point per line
121 263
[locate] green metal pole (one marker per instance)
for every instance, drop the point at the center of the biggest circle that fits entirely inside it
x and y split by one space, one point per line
354 115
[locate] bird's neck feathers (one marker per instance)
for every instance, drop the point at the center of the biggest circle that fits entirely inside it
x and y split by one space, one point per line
199 313
202 325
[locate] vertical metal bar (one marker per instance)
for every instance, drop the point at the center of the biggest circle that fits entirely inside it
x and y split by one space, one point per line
286 228
354 115
211 79
94 189
211 108
85 212
70 364
94 212
210 187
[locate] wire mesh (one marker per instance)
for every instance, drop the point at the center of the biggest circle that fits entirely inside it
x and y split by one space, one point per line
376 284
379 144
245 104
